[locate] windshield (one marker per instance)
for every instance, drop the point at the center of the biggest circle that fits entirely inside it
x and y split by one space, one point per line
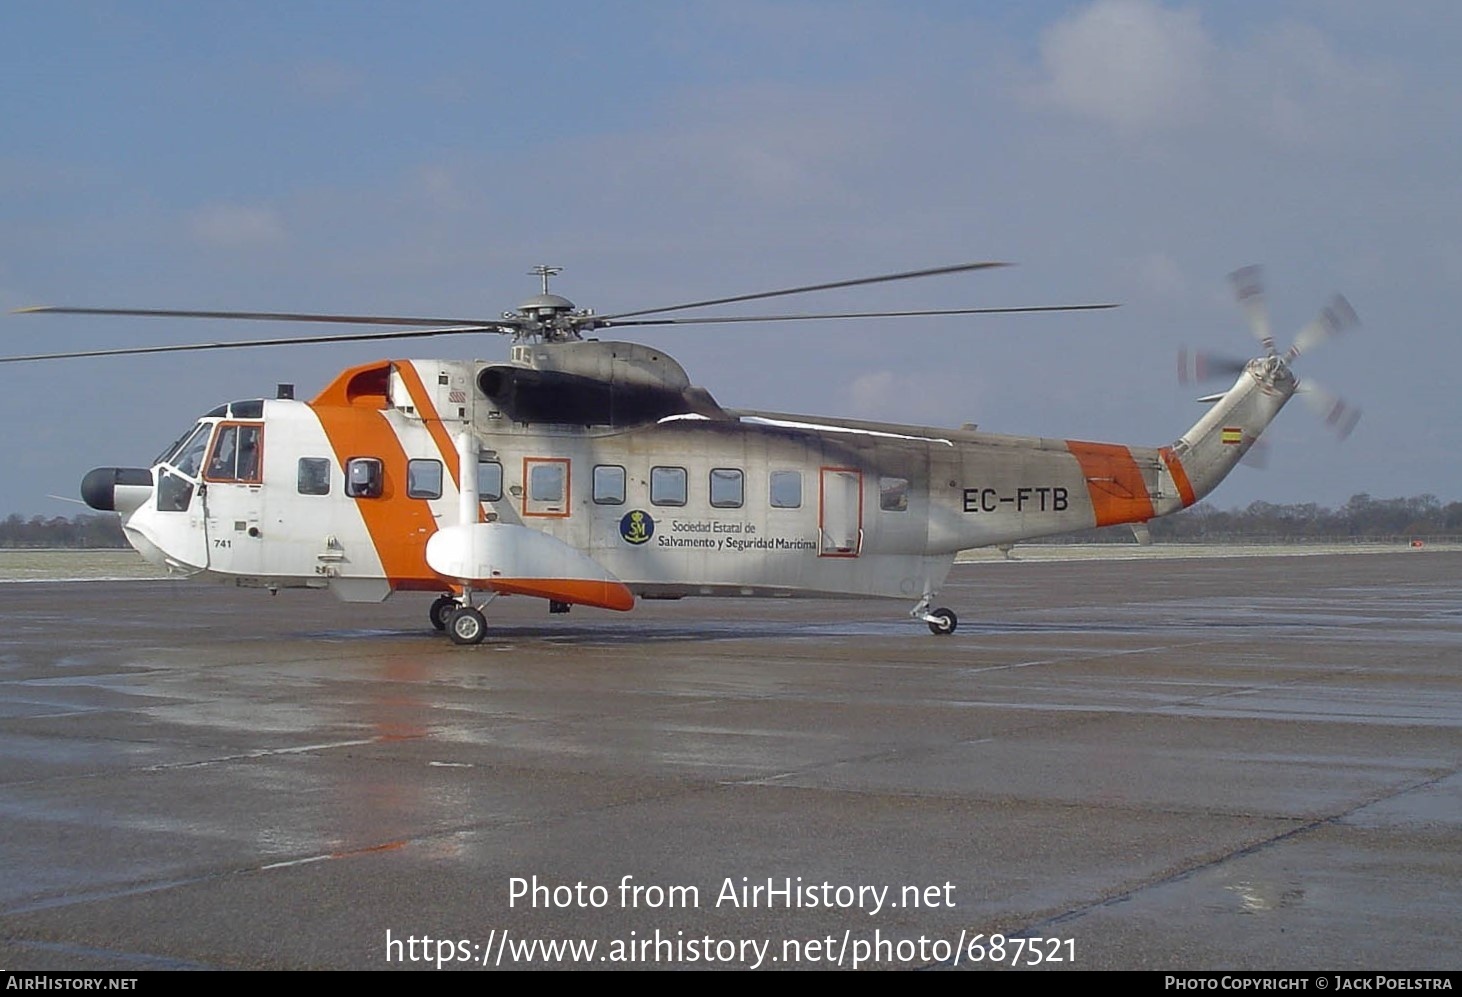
188 456
172 447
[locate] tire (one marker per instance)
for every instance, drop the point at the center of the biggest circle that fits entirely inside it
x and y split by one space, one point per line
441 611
944 622
467 626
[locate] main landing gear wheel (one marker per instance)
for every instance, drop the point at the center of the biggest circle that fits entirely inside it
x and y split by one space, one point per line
441 611
943 622
467 626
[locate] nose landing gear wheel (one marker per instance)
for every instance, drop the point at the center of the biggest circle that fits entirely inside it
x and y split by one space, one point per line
467 626
441 611
943 622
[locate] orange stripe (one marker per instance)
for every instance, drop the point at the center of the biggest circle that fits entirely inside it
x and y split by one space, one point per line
1118 493
365 385
1180 476
399 526
428 412
585 592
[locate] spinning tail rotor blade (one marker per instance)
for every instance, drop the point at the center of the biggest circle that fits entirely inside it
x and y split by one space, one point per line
1248 284
1336 317
1339 415
1197 367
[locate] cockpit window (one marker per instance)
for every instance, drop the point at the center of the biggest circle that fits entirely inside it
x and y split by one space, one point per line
172 447
189 457
235 453
253 408
174 492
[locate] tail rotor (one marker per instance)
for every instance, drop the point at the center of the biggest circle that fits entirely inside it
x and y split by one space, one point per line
1337 317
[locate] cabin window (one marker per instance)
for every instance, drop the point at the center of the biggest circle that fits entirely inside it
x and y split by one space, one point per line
545 489
727 487
424 479
545 483
314 476
786 489
365 477
609 484
893 494
667 486
489 481
235 454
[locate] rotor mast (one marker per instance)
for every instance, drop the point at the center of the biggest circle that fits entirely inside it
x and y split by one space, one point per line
549 317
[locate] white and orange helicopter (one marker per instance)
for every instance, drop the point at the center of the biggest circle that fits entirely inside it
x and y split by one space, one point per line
594 473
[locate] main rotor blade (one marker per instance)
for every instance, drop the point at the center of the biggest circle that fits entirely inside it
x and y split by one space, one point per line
257 316
287 341
856 282
614 323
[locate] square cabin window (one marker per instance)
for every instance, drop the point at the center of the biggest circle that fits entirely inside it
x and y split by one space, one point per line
727 487
314 476
667 486
786 489
489 481
545 482
609 484
424 479
365 477
893 494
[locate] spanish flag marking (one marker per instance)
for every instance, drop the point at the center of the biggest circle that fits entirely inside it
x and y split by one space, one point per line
1232 436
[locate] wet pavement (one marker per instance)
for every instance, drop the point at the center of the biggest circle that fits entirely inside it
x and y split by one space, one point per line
1224 764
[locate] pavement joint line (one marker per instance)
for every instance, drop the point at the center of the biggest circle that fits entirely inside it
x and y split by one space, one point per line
1313 824
143 959
1038 927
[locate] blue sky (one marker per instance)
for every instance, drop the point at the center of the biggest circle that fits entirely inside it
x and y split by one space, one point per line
419 158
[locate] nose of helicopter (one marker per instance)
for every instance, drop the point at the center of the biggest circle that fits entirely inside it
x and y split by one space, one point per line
116 489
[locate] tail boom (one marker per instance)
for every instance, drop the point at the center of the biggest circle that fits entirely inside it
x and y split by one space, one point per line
1204 455
1012 489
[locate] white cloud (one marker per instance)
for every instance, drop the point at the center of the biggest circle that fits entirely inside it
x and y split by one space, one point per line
1131 63
235 226
1296 85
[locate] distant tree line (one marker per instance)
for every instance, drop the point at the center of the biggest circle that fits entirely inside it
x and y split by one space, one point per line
1361 518
84 530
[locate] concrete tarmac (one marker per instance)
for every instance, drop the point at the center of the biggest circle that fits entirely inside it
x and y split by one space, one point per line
1166 764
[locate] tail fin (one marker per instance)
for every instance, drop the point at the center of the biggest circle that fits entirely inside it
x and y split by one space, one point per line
1206 453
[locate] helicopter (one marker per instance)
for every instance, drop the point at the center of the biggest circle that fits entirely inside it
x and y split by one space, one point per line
593 472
